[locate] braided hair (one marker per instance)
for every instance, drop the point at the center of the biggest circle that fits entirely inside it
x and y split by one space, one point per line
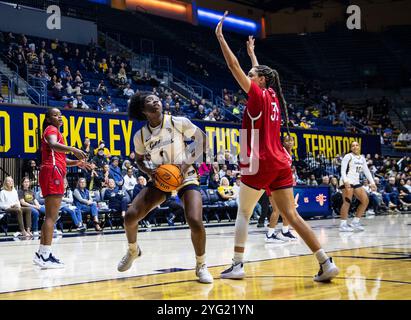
136 106
272 79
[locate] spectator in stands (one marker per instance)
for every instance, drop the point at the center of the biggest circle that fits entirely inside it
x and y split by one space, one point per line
167 109
93 177
32 172
226 193
223 171
128 92
214 182
404 137
100 158
404 193
210 116
28 200
141 183
78 102
200 114
66 74
116 198
105 175
177 111
111 106
102 66
132 158
83 201
130 181
101 88
9 202
121 78
218 115
58 90
311 181
115 172
88 148
67 207
391 194
325 181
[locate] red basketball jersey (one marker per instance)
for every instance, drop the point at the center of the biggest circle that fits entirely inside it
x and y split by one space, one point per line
263 114
49 157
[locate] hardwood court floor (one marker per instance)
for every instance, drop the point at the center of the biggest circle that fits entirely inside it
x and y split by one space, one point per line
375 264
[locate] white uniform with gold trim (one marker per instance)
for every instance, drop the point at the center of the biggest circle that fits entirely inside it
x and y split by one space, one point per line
165 144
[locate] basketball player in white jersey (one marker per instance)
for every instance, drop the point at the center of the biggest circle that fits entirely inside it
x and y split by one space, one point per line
352 165
162 141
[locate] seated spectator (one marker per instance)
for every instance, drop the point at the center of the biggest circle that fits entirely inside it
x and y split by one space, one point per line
325 181
101 88
115 172
100 158
70 90
130 181
67 207
210 116
223 171
28 200
111 106
66 74
9 202
128 92
200 114
311 181
116 198
121 77
78 102
167 109
141 183
304 123
102 66
226 193
58 90
404 193
105 175
88 148
93 177
214 183
102 144
204 169
83 201
391 194
177 111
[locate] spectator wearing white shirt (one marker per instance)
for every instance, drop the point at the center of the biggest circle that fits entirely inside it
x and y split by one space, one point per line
128 91
78 102
130 182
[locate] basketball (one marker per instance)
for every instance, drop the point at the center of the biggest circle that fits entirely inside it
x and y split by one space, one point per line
168 178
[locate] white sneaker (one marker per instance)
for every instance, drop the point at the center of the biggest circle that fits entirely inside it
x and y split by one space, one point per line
274 238
288 236
36 233
204 276
236 271
356 226
346 228
370 212
50 263
328 270
16 234
57 232
127 261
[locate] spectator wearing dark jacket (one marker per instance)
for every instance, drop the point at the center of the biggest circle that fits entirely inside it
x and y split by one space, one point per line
116 198
116 173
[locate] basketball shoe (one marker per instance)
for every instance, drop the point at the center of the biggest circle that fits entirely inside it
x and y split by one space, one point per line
236 271
287 236
274 238
51 262
328 270
128 259
204 276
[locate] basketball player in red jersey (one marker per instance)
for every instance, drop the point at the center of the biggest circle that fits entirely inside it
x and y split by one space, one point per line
51 179
262 116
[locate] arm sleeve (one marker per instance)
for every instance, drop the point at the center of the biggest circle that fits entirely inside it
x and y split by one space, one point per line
367 171
2 201
78 197
344 165
138 143
20 194
255 100
69 198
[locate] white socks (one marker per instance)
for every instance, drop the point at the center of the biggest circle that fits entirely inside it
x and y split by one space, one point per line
321 256
270 232
45 250
238 257
285 229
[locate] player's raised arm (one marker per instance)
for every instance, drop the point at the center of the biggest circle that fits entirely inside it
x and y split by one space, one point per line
231 59
251 52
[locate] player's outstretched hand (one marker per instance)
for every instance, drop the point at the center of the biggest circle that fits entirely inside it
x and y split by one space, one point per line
250 45
80 154
219 28
84 165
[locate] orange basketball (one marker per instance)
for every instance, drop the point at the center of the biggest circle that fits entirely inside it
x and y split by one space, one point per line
168 177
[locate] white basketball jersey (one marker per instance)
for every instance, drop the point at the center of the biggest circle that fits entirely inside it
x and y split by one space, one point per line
351 168
165 144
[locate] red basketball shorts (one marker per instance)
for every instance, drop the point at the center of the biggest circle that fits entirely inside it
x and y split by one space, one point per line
270 181
51 180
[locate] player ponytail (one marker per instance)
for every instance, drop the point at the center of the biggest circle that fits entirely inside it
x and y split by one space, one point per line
136 107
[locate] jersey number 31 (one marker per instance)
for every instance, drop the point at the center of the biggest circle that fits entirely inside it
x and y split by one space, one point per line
276 111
